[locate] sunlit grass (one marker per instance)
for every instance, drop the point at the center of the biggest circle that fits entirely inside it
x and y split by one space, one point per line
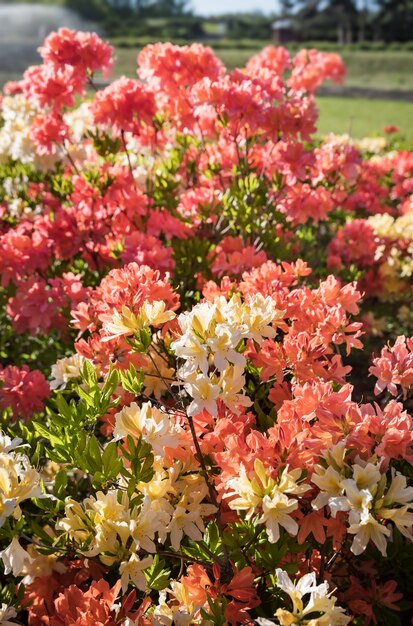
361 117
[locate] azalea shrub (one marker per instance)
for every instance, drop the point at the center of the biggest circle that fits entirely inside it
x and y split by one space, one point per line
206 344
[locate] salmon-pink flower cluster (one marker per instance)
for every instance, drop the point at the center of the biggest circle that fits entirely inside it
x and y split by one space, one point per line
194 292
394 367
23 391
125 105
311 68
84 51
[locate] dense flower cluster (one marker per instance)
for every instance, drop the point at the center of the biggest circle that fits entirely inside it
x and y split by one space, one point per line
199 424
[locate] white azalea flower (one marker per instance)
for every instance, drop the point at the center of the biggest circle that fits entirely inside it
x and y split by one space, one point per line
319 601
368 529
205 394
154 313
133 570
276 512
66 369
223 347
7 612
154 426
14 558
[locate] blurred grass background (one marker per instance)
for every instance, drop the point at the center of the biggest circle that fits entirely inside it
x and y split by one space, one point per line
362 117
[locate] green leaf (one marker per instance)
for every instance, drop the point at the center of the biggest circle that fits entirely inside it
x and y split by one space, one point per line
109 456
157 576
93 455
60 484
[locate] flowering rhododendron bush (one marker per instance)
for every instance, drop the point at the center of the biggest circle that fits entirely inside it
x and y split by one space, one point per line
206 345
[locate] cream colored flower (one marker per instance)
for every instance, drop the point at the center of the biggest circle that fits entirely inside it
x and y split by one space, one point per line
367 476
232 381
100 525
189 511
19 481
259 494
15 134
151 519
126 322
79 120
249 496
368 529
161 484
358 499
211 347
155 313
374 145
195 353
121 324
382 224
66 369
205 393
183 614
14 558
154 426
328 480
287 482
319 601
402 517
133 570
76 522
398 491
7 444
276 511
7 612
223 347
257 316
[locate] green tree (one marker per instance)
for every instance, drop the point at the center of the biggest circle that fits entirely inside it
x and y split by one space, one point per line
96 10
344 13
394 20
170 8
286 6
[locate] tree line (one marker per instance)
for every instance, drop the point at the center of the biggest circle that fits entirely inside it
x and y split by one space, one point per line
352 20
345 21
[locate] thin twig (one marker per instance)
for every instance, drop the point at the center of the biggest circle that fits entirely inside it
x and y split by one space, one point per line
182 557
210 487
40 545
70 159
122 134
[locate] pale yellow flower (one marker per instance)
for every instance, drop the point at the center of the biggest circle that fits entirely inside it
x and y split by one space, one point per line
155 313
276 510
402 517
154 426
66 369
121 324
7 612
14 558
368 529
19 481
232 381
133 570
205 393
319 601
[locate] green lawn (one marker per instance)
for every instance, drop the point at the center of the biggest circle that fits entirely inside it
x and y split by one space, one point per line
381 70
361 117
